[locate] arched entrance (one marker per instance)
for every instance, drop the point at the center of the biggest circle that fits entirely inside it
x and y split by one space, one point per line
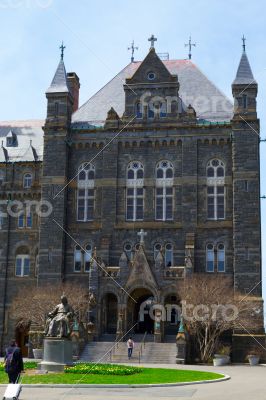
109 312
139 303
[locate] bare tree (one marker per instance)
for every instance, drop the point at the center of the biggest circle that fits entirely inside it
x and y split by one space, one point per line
211 306
31 305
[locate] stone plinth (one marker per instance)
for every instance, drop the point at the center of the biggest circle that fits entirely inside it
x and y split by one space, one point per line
58 352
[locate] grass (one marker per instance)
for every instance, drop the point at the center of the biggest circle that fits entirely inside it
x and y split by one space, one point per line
138 376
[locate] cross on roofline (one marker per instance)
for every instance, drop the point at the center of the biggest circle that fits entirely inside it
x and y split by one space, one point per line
142 235
62 48
152 39
132 48
189 44
244 43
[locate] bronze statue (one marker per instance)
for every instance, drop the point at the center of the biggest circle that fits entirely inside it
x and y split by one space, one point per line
58 323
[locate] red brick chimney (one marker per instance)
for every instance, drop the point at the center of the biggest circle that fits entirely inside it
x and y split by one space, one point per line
73 83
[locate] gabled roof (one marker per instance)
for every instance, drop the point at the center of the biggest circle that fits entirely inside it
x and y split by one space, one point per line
29 136
59 82
244 75
195 89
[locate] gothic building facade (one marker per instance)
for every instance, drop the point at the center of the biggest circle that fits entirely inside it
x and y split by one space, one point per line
155 177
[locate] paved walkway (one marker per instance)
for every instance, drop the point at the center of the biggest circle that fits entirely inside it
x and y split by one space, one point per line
246 383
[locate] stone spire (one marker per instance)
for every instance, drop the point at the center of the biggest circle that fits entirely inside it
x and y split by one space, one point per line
59 82
244 75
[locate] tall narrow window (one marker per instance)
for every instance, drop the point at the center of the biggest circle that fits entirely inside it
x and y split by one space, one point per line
150 111
210 257
164 191
87 258
27 181
163 112
168 255
215 190
135 191
245 101
139 112
22 265
25 220
128 250
85 194
157 248
220 257
77 259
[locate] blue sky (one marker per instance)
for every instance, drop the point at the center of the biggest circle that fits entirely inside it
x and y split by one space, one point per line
97 35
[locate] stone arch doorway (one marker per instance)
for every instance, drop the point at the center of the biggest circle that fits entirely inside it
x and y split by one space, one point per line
138 311
109 313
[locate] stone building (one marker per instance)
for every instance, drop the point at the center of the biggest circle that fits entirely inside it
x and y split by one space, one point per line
155 177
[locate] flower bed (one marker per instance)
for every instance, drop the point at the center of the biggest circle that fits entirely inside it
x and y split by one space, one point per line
103 369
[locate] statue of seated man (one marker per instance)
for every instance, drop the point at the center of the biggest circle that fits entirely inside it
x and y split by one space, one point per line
58 323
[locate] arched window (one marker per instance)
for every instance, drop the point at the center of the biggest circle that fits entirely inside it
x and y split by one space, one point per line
128 250
85 195
163 111
22 267
220 257
168 255
156 249
25 220
27 181
135 192
164 191
210 257
215 190
139 110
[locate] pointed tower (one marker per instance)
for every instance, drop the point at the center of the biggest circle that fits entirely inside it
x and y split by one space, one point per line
54 190
245 89
246 198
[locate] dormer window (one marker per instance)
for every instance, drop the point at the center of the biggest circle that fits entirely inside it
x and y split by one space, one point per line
11 139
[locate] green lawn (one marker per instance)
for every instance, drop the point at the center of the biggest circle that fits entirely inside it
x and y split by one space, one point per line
142 376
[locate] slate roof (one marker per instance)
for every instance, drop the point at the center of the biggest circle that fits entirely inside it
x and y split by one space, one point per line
244 75
195 89
29 141
59 82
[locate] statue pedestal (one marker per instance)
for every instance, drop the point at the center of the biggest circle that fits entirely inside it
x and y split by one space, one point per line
181 347
58 352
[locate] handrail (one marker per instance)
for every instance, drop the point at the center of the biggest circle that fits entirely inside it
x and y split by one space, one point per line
142 345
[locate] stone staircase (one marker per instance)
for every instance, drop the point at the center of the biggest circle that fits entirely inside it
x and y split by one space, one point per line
152 353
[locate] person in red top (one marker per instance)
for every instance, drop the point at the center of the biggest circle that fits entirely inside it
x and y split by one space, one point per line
130 347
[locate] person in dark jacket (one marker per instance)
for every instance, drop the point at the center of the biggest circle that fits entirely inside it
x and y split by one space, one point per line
13 362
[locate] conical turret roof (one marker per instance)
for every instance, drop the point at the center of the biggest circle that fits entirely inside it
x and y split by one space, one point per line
59 82
244 75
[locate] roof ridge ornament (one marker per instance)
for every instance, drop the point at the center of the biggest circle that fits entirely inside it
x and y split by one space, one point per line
132 48
189 44
62 48
152 39
244 43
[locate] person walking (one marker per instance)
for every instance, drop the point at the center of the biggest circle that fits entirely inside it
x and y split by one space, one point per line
130 347
13 362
